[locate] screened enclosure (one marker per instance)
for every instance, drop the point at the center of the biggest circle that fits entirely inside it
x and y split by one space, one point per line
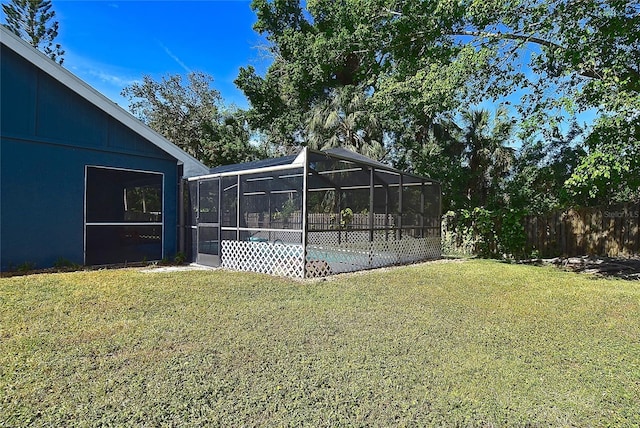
311 215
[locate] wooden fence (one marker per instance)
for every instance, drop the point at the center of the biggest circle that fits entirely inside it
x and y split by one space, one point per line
612 231
358 221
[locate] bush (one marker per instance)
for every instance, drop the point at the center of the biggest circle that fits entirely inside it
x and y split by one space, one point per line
62 263
490 234
180 258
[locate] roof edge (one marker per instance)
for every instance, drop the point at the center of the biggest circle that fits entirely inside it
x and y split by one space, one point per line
192 166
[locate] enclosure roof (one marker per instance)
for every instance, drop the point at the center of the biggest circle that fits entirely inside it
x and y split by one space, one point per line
191 165
356 157
298 160
265 163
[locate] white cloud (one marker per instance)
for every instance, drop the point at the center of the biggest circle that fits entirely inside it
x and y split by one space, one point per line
175 58
107 79
112 79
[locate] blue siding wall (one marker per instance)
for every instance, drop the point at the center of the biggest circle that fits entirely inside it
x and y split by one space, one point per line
48 135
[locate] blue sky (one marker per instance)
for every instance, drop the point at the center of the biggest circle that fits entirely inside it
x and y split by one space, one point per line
112 43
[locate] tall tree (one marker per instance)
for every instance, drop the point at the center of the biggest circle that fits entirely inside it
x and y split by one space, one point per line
435 148
587 49
609 171
468 153
193 117
314 47
542 166
33 21
346 120
332 82
488 158
420 61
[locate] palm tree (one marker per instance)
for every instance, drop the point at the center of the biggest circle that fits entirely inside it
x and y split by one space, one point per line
488 159
344 119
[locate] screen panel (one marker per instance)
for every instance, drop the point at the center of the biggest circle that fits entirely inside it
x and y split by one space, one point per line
123 216
208 198
112 244
123 196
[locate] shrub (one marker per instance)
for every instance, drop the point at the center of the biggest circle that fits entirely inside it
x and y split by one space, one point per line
485 233
62 263
180 258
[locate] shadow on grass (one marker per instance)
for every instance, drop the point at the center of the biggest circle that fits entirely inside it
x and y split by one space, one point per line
607 267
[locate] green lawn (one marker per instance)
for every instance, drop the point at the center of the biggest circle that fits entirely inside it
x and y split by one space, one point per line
474 343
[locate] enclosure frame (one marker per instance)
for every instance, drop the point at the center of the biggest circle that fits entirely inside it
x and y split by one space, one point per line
313 214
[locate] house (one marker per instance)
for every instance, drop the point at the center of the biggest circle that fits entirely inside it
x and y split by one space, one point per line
81 180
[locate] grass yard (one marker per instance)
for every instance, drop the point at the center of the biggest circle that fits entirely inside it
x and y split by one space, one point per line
474 343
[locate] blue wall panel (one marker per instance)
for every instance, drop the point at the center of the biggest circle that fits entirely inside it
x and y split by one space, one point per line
17 98
122 138
64 116
48 135
42 216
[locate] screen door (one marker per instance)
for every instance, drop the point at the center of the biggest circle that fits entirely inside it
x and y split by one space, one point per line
208 221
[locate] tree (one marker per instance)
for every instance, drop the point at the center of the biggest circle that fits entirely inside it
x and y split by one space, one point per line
488 159
314 58
609 170
564 56
422 62
434 148
587 49
344 119
542 166
32 20
276 111
467 153
193 117
331 83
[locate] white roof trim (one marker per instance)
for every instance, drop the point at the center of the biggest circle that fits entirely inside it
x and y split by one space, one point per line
192 166
249 171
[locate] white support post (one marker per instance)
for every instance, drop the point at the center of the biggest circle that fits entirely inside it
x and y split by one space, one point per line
305 231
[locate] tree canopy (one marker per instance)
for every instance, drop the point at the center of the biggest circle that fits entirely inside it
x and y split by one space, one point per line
33 21
192 116
416 68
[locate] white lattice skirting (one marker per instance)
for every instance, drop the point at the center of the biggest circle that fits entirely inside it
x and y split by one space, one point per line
263 257
322 260
325 260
